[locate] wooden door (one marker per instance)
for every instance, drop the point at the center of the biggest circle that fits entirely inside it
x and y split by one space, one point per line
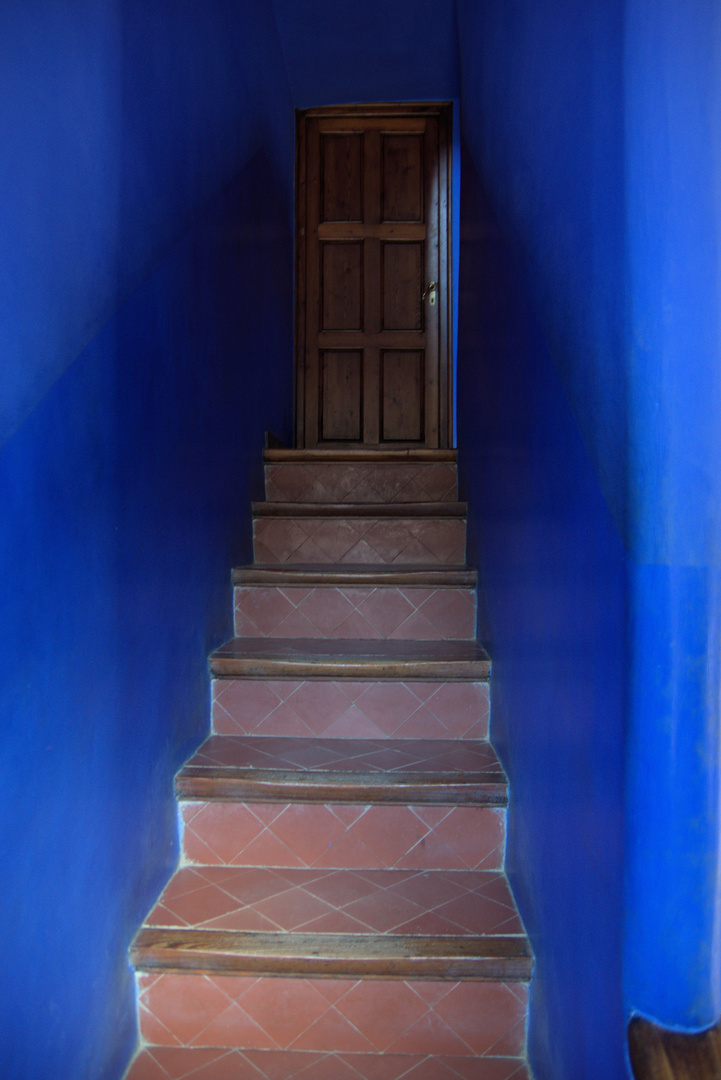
373 277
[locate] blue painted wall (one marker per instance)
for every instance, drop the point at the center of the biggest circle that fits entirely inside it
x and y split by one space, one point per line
382 50
149 210
541 373
594 129
120 119
673 193
146 266
552 595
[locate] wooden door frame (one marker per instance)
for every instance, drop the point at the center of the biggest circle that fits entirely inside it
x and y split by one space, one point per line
443 111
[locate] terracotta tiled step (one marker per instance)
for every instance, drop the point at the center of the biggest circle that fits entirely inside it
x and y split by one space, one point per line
342 1016
432 533
373 610
295 476
345 708
370 836
189 1063
344 770
461 903
333 483
289 658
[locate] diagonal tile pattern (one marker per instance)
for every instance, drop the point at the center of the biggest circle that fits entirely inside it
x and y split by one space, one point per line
339 720
434 614
432 756
359 540
351 709
343 836
200 1063
362 482
326 901
344 1015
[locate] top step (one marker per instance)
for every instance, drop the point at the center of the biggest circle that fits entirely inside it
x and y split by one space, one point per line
360 476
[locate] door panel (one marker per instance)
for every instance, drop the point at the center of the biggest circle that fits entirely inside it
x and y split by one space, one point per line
402 271
342 285
342 177
402 384
342 396
372 340
402 186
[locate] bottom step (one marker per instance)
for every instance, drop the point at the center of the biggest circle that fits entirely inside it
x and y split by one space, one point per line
168 1063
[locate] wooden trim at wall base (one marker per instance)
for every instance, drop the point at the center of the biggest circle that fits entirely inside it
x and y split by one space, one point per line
658 1053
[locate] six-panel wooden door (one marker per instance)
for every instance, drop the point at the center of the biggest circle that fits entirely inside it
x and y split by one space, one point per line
373 277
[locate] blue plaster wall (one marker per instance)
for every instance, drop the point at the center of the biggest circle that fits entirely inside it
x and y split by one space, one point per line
594 129
119 119
542 92
552 594
542 437
381 50
149 211
673 191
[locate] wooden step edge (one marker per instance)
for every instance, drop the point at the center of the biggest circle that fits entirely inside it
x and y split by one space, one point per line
288 456
199 783
369 575
337 658
254 667
374 956
359 510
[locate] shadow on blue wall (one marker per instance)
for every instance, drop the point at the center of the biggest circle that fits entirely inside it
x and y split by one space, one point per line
552 587
121 120
380 50
127 490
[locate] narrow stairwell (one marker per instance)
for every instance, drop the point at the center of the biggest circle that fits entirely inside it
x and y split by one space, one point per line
341 911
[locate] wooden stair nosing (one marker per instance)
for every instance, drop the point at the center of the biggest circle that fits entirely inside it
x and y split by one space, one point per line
364 574
278 455
259 668
435 510
268 785
317 658
373 956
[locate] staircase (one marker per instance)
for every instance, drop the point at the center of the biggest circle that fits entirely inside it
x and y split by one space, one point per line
340 911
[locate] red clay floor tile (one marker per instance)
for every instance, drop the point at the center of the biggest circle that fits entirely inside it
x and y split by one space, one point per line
361 482
417 756
196 1063
359 540
371 612
345 709
342 836
350 901
340 1015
